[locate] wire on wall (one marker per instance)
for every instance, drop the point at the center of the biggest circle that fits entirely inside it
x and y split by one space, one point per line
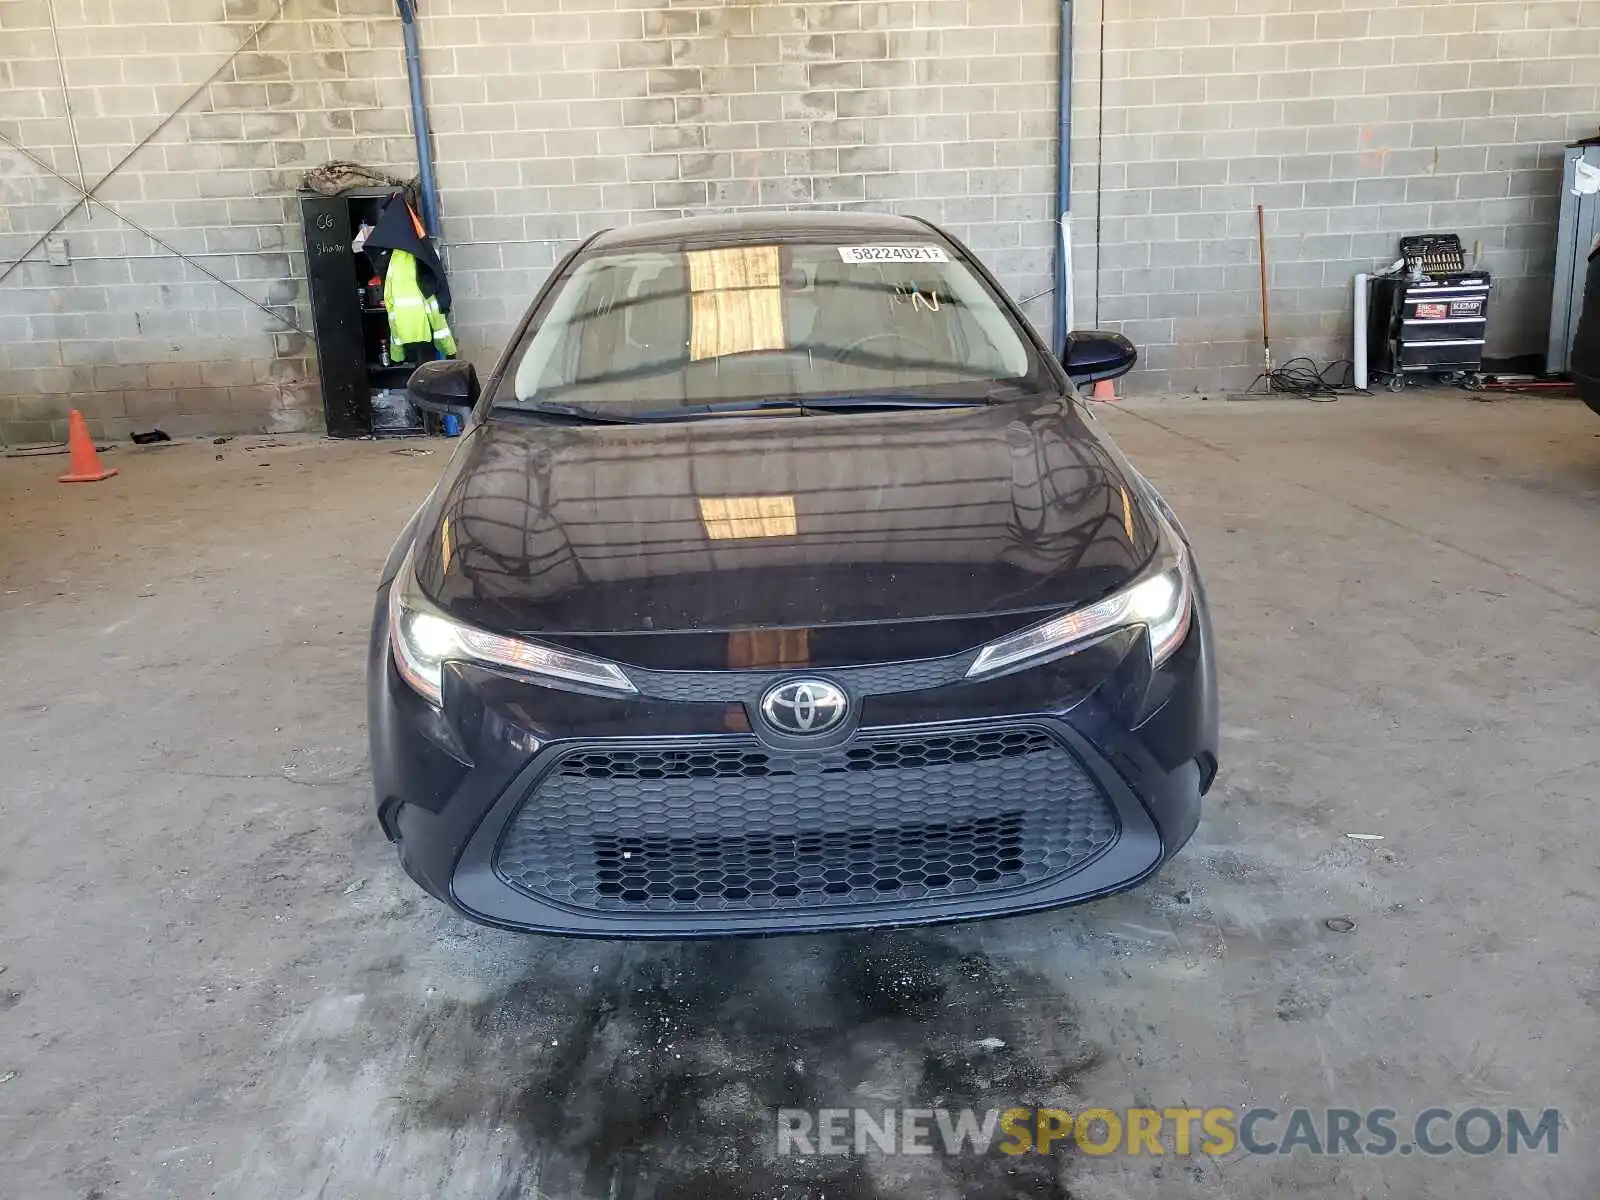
88 194
84 197
66 101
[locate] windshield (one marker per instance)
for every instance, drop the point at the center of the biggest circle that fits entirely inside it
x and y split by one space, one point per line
659 330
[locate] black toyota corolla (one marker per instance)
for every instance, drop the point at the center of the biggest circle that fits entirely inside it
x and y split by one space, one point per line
782 581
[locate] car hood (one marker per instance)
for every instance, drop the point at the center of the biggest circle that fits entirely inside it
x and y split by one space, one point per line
966 519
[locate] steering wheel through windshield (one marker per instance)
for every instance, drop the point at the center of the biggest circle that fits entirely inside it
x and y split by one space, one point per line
930 351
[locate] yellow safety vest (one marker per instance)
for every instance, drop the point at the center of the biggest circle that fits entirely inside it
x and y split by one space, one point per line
413 317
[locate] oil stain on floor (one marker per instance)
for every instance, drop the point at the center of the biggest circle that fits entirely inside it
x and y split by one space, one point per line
666 1081
658 1073
461 1061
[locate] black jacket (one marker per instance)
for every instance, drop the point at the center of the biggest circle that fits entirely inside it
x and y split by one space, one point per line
397 230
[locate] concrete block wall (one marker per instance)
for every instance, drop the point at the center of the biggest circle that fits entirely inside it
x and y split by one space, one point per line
130 334
1353 121
554 124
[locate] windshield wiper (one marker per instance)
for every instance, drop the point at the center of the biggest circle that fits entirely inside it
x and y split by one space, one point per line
846 402
572 413
843 402
869 400
720 409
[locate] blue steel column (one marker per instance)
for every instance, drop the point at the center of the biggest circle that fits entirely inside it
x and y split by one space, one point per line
419 118
1063 257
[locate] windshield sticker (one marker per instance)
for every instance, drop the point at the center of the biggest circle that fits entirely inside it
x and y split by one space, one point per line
916 298
879 254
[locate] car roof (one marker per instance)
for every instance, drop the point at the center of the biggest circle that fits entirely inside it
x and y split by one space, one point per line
753 229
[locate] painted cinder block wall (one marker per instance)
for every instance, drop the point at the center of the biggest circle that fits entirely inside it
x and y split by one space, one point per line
1353 121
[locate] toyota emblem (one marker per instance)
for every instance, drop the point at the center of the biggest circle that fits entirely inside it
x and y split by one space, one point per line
804 706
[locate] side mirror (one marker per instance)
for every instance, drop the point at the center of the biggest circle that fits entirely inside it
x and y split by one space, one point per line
1095 355
447 386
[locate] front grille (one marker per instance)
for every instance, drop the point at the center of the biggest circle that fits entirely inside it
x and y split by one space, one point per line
735 826
882 679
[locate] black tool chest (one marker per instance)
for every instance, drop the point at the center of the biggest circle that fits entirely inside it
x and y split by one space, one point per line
1432 317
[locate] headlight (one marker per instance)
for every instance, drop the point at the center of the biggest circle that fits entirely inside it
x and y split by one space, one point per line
1162 600
423 639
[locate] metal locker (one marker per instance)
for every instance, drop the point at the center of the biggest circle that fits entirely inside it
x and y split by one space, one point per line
336 314
351 326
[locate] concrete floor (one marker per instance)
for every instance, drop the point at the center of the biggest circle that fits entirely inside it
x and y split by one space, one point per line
217 982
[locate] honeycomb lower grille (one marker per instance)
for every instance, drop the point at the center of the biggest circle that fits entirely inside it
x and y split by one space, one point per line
735 826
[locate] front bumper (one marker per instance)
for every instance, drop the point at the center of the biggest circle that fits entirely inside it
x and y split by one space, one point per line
666 815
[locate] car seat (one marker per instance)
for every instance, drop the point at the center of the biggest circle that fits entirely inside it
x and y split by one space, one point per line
656 321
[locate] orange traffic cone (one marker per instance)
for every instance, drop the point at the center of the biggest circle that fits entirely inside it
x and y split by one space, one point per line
1106 389
85 462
